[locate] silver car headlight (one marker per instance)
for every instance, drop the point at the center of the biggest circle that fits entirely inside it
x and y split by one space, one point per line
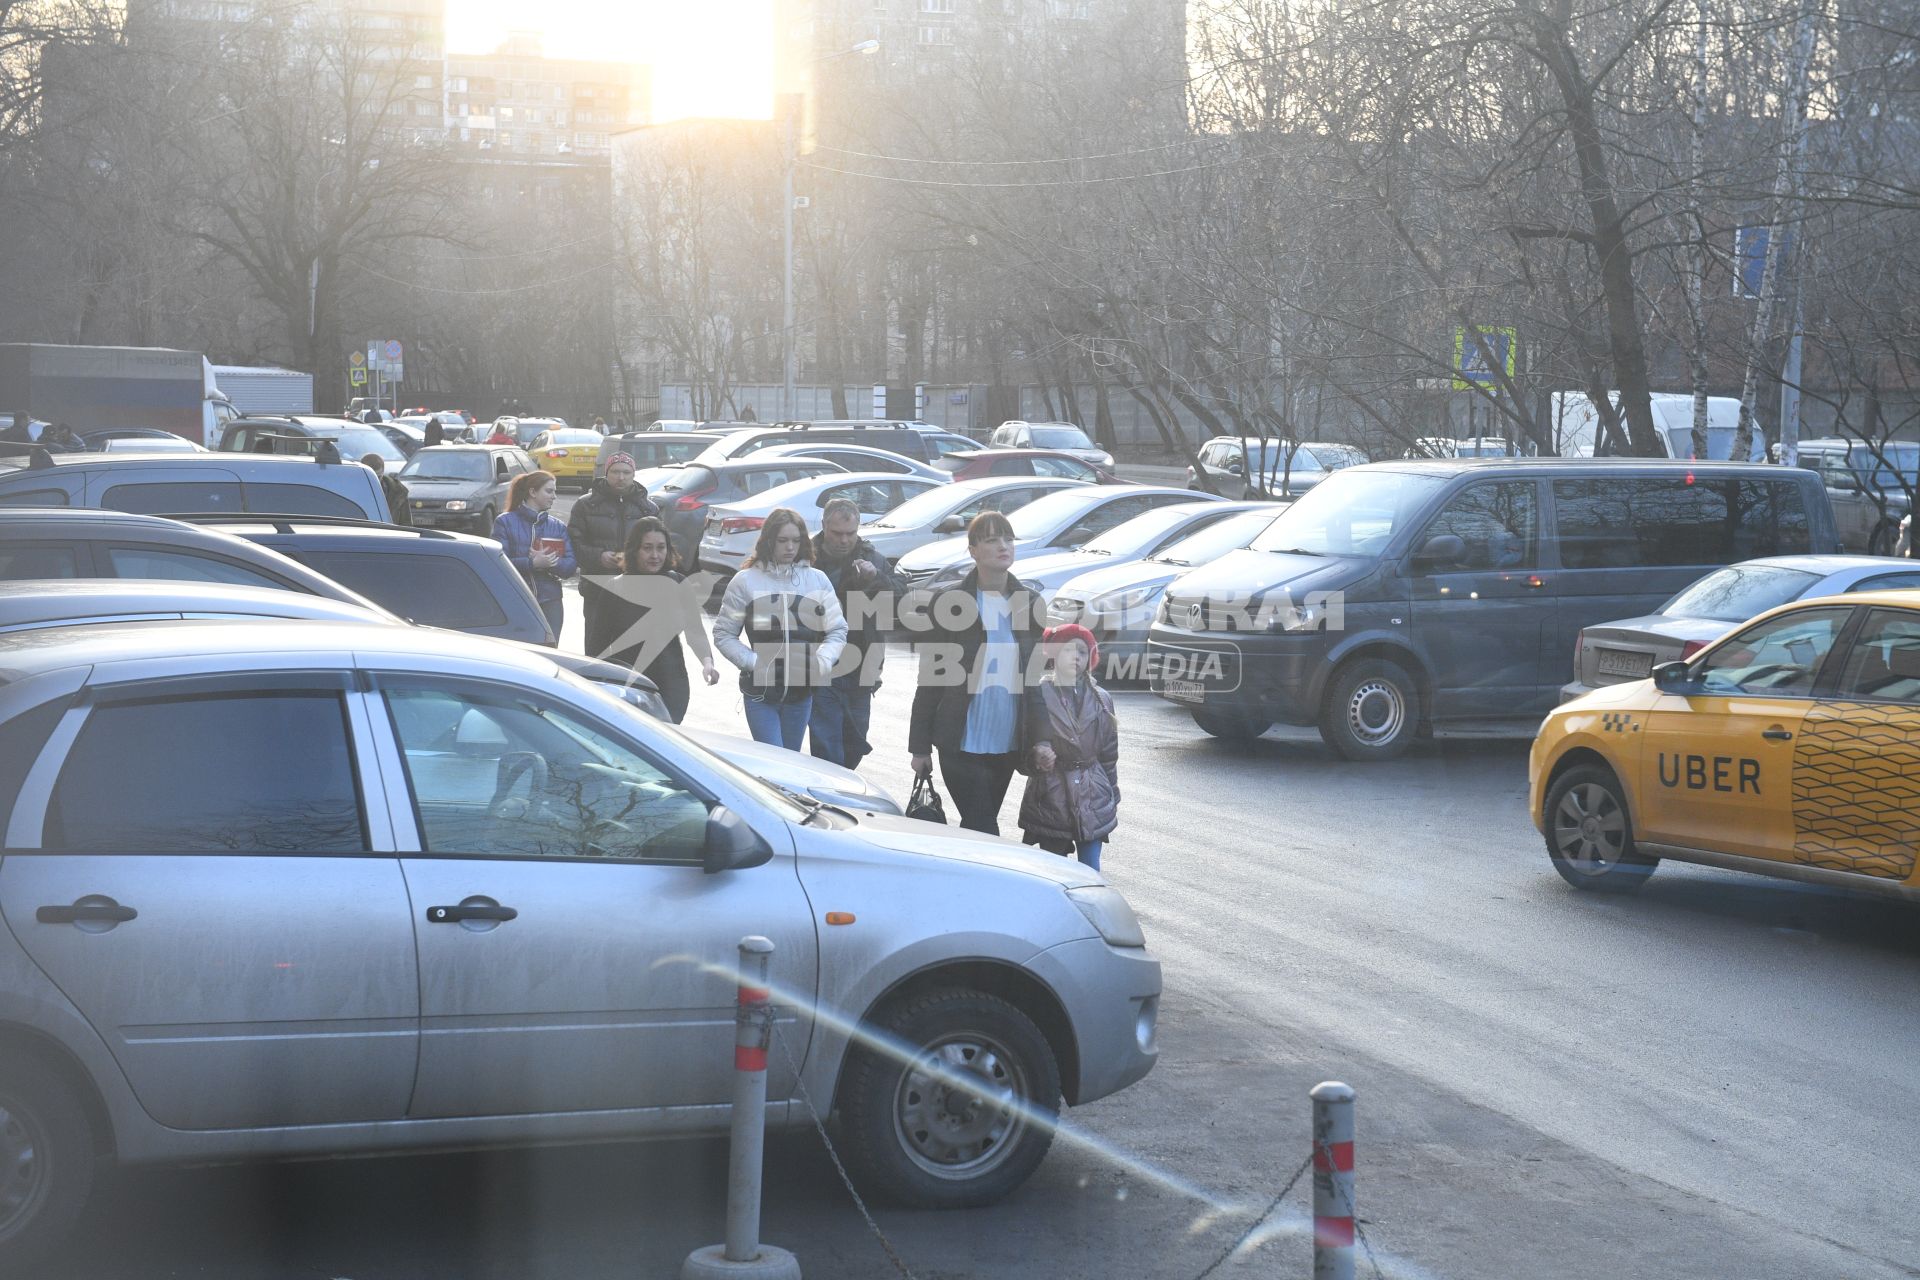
1107 911
456 504
1128 602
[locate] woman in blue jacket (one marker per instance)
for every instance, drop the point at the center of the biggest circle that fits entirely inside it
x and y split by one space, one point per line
537 542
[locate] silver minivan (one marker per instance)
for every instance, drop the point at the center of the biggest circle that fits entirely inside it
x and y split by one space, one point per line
286 889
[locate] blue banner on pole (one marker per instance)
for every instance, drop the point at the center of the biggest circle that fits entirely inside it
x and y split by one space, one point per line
1750 258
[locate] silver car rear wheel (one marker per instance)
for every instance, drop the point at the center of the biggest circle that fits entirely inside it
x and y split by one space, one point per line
46 1161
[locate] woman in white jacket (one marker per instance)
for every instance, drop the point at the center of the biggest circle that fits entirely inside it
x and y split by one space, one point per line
780 623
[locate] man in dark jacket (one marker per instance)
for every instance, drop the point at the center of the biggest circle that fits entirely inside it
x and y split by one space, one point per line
392 487
865 583
976 649
598 528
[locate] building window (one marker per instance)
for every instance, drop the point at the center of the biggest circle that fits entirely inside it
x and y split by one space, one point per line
533 115
423 82
425 109
936 35
506 139
457 84
533 142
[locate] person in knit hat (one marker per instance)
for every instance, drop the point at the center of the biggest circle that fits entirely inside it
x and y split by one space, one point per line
598 529
1072 752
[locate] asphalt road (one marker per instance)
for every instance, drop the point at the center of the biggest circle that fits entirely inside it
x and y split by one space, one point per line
1714 1078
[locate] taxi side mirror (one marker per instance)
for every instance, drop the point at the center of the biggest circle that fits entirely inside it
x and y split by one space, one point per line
1677 677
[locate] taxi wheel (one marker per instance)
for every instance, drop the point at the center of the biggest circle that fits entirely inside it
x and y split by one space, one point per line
952 1106
1371 712
46 1162
1590 833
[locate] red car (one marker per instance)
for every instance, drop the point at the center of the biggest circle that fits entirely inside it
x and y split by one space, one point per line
978 464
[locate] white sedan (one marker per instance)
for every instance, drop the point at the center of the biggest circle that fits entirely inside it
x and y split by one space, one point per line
936 514
858 457
733 527
1138 538
1064 521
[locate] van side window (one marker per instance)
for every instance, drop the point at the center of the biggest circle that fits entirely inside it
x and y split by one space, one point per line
1499 523
1646 521
301 500
184 497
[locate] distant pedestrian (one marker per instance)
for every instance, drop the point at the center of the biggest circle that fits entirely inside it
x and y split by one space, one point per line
435 433
396 492
974 655
747 415
598 527
19 431
780 623
651 609
1072 761
599 425
865 584
503 432
536 542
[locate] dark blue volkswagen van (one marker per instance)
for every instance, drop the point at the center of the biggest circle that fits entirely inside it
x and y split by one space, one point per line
1401 598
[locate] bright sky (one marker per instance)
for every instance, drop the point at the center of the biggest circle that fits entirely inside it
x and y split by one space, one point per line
708 58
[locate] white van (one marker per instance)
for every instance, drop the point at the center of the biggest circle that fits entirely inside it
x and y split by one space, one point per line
1576 425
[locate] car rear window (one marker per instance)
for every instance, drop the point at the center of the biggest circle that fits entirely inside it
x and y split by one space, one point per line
1739 592
22 562
434 591
34 498
302 500
175 497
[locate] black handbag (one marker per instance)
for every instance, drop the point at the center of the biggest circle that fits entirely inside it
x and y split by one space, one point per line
924 803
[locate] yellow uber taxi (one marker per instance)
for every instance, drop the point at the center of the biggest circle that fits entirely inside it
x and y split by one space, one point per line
568 454
1790 747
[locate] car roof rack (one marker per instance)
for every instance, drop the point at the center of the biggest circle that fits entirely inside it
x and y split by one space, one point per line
285 523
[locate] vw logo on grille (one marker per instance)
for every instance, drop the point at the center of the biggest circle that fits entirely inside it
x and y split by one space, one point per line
1197 616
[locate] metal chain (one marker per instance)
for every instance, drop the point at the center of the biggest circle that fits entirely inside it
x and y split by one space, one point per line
819 1127
1254 1226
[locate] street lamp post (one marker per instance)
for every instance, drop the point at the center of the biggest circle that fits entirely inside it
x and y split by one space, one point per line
790 111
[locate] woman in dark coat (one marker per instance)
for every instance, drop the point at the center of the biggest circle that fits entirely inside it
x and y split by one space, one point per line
976 644
1072 802
648 605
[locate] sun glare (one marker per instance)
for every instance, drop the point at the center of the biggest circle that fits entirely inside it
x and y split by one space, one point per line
707 59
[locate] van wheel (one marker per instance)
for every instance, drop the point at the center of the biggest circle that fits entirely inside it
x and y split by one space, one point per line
487 518
1885 534
1590 832
46 1162
966 1117
1231 726
1371 712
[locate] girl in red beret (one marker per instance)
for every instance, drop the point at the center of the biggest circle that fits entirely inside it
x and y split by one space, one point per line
1072 752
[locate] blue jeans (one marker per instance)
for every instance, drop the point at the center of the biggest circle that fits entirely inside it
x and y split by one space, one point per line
841 715
555 612
779 724
1090 852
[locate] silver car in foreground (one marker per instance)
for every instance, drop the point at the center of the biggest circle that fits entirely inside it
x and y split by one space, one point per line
287 889
1616 652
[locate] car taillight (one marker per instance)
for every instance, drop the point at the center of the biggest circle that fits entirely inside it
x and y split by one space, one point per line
1690 648
741 524
691 501
556 453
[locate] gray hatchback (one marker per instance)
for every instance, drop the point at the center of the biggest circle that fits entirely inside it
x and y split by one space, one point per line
292 889
461 486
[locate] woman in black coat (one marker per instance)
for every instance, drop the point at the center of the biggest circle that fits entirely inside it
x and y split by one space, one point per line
976 646
650 604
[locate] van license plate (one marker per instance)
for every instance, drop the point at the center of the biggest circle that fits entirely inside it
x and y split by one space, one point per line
1184 690
1618 662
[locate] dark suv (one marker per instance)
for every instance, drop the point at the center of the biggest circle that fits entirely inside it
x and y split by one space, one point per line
427 576
684 496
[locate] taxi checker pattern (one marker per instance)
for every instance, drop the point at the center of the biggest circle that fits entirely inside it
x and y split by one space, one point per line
1619 722
1856 788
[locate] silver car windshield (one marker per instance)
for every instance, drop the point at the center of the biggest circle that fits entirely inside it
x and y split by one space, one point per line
1350 513
1214 541
1060 438
1739 592
929 506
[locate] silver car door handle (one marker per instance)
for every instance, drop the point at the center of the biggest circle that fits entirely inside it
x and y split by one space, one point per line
454 915
107 912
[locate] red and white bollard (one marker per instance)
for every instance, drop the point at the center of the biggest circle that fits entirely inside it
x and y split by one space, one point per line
1332 1181
743 1256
